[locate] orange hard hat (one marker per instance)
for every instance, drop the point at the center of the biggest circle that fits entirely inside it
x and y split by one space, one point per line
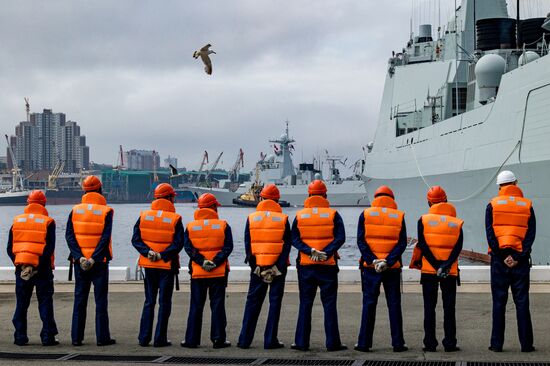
384 190
270 192
37 196
317 187
207 200
91 183
436 194
164 190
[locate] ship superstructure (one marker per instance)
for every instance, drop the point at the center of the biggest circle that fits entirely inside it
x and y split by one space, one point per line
279 169
460 106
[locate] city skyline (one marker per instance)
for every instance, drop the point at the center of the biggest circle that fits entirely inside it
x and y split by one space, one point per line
45 140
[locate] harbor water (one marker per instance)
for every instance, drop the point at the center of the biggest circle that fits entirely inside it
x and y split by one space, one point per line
126 215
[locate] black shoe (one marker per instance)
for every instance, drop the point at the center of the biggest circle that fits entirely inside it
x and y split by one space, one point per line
51 342
495 349
340 347
242 346
276 345
429 349
400 348
361 348
162 344
530 349
144 344
77 343
21 343
298 348
452 349
221 344
109 342
184 344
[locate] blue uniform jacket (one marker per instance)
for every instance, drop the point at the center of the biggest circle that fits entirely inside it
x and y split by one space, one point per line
45 262
331 248
366 253
426 252
170 253
101 252
282 261
220 257
503 253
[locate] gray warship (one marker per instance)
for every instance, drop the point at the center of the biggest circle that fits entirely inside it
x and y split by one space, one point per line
461 104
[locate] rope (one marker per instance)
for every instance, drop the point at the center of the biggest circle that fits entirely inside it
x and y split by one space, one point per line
481 189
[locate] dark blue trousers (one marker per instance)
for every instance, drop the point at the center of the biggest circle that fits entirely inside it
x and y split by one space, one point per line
430 287
215 287
325 278
517 278
370 283
43 281
98 275
257 292
157 282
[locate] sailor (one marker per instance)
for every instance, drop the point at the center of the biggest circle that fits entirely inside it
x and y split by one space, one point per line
317 232
382 239
88 236
31 246
208 242
158 237
267 241
511 226
436 254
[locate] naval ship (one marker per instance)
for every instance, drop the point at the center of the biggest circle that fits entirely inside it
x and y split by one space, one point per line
279 169
461 105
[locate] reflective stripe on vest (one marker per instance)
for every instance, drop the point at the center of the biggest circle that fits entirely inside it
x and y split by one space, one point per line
89 222
382 227
157 227
267 228
316 227
29 235
207 235
511 213
441 232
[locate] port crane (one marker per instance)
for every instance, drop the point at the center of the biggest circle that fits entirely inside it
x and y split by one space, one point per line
234 172
212 168
16 171
203 164
120 160
57 170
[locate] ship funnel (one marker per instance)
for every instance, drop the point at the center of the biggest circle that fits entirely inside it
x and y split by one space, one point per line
527 57
425 31
489 70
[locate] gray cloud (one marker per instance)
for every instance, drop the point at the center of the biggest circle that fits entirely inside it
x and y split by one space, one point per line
124 71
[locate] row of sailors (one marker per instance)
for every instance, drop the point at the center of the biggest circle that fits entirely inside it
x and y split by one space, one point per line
317 233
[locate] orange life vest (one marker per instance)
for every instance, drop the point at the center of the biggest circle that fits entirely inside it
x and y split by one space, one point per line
158 227
383 222
29 235
89 221
207 234
316 227
267 228
441 232
511 212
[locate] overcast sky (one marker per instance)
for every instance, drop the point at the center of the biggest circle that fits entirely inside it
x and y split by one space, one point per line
123 70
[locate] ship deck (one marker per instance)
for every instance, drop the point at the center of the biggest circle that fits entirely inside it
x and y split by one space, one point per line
125 301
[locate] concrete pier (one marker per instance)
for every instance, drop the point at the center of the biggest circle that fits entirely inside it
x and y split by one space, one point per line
126 300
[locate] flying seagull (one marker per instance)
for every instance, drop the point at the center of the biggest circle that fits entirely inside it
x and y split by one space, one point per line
203 53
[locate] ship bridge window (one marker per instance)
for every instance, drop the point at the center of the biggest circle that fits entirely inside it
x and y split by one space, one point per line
462 93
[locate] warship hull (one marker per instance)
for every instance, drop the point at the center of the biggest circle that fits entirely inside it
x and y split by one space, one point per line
465 153
348 193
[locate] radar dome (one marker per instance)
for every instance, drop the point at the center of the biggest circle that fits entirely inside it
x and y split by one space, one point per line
527 57
270 158
489 70
284 136
317 176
